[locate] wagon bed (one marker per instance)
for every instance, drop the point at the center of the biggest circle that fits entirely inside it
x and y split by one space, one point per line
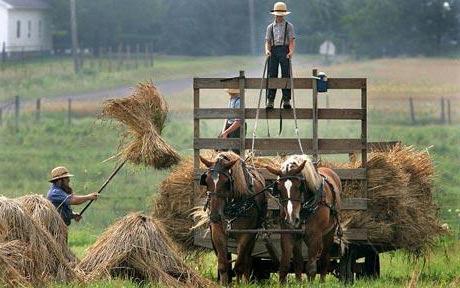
345 266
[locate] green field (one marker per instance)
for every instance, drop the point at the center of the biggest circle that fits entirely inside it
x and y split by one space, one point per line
27 156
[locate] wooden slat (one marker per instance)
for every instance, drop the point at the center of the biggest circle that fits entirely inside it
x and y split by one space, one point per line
372 146
344 174
277 83
334 146
241 83
302 113
202 238
315 141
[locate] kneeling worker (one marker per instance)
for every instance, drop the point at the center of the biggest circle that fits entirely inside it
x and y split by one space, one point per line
61 195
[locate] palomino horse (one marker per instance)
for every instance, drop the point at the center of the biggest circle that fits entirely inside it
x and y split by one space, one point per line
236 200
310 200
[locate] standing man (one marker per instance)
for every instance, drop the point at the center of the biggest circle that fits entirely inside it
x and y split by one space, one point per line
280 47
231 128
61 195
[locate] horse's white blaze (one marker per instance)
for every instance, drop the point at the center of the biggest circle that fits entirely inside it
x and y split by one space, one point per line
288 185
215 180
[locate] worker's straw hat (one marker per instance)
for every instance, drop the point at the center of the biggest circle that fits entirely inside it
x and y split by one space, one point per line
58 173
280 9
233 91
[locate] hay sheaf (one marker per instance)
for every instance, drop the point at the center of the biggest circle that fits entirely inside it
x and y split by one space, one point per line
48 260
45 214
143 114
175 202
401 209
14 262
137 247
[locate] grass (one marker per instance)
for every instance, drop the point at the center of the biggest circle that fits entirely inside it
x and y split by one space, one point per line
55 77
26 157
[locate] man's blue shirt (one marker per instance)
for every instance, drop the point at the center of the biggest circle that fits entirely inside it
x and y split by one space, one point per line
61 200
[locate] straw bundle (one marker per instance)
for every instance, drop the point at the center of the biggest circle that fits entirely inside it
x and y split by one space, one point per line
175 202
401 210
13 261
48 260
137 247
143 114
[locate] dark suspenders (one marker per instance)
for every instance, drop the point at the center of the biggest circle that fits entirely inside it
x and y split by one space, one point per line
285 35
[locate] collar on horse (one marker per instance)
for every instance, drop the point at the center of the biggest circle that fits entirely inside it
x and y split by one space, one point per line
233 208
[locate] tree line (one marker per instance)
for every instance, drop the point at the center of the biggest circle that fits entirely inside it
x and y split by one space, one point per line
366 28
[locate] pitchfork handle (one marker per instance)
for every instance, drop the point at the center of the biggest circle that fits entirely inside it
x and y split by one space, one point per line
105 184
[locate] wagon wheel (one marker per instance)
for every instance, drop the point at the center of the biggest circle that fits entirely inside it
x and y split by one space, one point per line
371 268
346 266
260 270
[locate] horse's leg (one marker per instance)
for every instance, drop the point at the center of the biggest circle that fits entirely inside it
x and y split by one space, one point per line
314 244
298 259
219 240
328 240
242 261
286 254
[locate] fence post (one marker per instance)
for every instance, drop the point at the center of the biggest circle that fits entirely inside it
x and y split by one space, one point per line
412 110
69 111
110 58
151 55
128 56
449 115
16 112
443 112
38 110
138 51
120 57
3 55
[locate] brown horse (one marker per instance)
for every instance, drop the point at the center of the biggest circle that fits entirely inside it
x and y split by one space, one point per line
232 189
310 200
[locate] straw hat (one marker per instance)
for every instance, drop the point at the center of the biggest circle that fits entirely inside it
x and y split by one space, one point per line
59 172
280 9
233 91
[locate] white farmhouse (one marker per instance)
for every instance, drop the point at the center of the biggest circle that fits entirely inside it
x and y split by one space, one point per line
25 26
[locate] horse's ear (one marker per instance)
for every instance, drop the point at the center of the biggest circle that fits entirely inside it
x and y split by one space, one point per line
229 164
275 171
300 168
206 162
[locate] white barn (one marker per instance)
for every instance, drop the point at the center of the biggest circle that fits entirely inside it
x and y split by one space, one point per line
25 26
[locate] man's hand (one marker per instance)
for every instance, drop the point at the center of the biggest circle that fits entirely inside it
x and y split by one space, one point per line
268 53
93 196
77 217
290 54
224 135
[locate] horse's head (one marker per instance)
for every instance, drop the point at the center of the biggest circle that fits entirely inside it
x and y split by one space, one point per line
218 180
289 185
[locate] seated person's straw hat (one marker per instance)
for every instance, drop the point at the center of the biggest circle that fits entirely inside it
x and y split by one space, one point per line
233 91
280 9
59 172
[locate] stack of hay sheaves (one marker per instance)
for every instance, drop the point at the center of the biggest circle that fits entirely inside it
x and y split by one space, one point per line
137 247
33 246
401 210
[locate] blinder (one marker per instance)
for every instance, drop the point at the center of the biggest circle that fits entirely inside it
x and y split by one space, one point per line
203 179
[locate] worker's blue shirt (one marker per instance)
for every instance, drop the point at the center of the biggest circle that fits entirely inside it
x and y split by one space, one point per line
234 103
61 200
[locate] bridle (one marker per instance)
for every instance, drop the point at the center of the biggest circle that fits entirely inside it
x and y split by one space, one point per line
219 169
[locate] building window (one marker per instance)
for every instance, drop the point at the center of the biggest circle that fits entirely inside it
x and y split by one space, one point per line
29 29
18 29
39 28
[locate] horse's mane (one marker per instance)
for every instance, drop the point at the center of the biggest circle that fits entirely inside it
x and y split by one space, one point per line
240 184
312 177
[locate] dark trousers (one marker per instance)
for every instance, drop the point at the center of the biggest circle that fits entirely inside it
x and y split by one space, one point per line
235 134
279 57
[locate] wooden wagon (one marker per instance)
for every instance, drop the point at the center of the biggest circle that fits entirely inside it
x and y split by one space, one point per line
361 259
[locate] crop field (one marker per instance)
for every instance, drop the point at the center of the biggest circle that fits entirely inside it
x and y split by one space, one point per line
85 147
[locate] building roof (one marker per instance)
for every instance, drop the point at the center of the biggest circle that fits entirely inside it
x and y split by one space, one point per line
27 4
